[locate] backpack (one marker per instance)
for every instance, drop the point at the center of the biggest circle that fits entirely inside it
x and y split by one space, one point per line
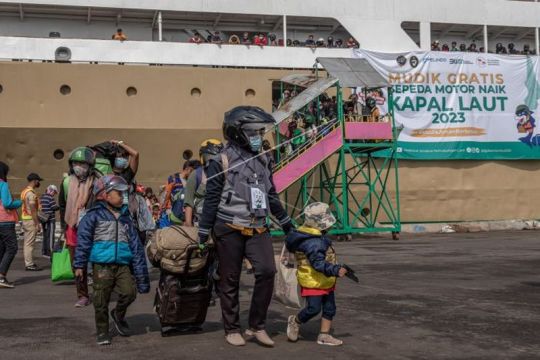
177 196
169 248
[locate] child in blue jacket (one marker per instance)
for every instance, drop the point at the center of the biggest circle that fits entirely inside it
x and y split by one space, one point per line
317 272
107 238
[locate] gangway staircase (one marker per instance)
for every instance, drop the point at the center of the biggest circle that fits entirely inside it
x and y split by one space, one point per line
351 164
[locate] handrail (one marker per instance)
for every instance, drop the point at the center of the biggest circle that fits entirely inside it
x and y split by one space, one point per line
307 145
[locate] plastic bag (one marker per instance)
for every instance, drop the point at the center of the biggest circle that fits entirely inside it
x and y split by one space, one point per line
61 266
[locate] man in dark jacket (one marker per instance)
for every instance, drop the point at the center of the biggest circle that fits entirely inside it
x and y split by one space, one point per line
240 195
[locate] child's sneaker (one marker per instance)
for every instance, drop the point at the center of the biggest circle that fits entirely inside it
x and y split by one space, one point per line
120 324
5 283
327 339
293 327
104 339
82 302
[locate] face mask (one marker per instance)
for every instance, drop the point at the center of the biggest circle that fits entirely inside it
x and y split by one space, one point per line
125 198
121 163
255 143
80 171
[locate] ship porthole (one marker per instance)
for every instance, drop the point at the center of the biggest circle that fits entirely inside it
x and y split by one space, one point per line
1 88
58 154
131 91
196 92
250 93
65 89
187 154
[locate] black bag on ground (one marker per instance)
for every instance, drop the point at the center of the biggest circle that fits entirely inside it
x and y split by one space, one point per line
182 301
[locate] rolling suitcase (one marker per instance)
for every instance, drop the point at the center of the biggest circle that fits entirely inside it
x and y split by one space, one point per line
182 301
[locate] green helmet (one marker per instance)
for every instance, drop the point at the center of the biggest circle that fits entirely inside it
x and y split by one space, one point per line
83 154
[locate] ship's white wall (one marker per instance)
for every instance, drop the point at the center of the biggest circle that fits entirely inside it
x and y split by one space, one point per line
148 52
72 29
374 23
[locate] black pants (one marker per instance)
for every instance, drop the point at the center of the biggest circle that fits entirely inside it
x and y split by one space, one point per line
8 247
49 228
232 247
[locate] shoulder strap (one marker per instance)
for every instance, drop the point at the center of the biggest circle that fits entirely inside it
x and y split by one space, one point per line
199 173
179 229
225 163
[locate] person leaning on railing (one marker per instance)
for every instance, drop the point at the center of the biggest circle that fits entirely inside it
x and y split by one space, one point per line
234 40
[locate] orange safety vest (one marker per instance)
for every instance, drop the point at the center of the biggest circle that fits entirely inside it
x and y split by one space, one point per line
26 214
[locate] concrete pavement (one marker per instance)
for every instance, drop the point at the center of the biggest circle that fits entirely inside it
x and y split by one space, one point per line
429 296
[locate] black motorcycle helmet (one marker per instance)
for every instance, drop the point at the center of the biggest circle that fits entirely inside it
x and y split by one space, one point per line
242 122
371 102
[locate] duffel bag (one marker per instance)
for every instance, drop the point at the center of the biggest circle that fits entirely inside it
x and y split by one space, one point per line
168 250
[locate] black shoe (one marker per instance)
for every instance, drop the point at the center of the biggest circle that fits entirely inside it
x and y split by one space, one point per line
33 267
4 283
121 325
103 339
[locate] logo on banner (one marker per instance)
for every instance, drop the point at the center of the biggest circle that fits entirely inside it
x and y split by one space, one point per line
413 61
482 62
401 60
458 61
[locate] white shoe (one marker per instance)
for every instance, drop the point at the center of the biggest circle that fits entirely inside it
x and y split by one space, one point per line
261 336
328 340
293 328
235 339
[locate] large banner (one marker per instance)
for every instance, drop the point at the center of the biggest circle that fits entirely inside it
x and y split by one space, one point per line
454 105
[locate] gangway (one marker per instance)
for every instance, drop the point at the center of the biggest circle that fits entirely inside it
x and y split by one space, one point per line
351 163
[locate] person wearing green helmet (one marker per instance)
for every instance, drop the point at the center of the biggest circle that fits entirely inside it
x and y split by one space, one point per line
75 197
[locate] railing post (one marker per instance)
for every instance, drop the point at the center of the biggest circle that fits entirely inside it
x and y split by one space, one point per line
160 27
284 30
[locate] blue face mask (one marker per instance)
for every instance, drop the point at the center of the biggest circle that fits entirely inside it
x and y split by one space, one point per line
121 163
125 198
255 143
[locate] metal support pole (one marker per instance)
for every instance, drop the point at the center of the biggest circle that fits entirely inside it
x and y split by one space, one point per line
485 39
160 27
537 38
285 30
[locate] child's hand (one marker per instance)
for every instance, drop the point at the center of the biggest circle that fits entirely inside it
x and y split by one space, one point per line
342 272
79 273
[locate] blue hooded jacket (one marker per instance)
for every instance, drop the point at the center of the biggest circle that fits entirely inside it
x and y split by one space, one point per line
315 248
104 239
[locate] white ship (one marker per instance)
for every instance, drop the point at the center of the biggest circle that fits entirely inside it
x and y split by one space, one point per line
64 82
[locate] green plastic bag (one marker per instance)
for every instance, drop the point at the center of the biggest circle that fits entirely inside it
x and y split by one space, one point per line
61 266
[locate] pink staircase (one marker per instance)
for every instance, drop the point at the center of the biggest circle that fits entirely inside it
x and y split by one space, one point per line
308 159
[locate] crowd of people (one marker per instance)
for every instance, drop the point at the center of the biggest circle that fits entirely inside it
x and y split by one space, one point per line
260 39
499 48
226 197
319 116
263 39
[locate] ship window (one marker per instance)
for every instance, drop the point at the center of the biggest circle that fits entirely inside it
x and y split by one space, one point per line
250 93
58 154
65 89
131 91
187 154
1 88
196 92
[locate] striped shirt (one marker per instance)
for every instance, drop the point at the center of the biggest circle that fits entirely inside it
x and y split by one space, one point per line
48 205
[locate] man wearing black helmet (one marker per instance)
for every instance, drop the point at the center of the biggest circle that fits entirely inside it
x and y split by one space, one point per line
240 194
